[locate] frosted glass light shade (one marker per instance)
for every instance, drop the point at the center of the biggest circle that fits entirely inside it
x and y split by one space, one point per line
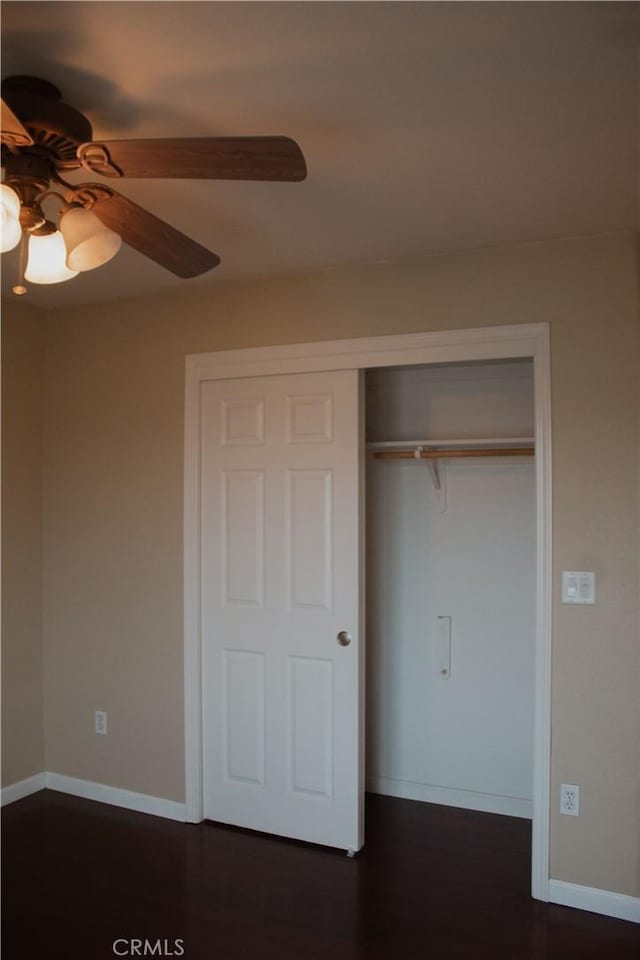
89 243
46 262
10 229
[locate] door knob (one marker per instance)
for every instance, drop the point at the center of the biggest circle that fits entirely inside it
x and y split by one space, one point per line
344 638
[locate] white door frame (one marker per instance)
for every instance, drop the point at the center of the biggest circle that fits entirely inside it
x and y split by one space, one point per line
481 343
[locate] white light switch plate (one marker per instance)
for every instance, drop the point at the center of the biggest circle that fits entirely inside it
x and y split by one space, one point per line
578 586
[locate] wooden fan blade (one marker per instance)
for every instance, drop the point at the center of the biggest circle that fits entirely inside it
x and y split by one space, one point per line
13 132
156 239
203 158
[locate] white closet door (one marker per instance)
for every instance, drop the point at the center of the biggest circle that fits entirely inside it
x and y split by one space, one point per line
280 556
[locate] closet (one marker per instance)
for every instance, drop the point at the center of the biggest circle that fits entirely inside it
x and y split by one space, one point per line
450 584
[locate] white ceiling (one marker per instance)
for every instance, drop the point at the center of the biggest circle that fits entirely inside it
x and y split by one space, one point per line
427 127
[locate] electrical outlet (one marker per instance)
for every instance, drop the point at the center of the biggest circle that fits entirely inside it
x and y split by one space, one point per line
101 722
570 799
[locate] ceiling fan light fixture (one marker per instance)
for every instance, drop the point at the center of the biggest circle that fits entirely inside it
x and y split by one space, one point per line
46 138
88 242
47 256
11 231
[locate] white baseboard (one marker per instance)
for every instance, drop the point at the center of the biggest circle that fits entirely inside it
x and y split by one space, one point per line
117 797
16 791
606 902
451 797
618 905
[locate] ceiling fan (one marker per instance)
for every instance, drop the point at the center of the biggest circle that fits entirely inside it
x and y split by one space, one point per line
44 138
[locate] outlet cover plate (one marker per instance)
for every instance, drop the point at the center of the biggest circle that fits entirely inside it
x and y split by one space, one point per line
100 722
570 799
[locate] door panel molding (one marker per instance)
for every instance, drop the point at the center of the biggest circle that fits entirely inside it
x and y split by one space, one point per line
476 344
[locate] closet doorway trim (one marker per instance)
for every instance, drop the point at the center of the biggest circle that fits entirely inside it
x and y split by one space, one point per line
513 341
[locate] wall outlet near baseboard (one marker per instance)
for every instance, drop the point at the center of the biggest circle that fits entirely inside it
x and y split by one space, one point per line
570 799
100 723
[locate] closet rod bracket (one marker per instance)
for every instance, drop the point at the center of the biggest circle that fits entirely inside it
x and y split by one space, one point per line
435 473
432 464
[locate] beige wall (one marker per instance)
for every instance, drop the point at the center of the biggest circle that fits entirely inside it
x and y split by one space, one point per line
22 438
113 505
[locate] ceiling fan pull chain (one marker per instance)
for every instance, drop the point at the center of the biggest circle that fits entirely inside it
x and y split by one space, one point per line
95 158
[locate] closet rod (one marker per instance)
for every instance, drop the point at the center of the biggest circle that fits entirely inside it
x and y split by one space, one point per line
419 454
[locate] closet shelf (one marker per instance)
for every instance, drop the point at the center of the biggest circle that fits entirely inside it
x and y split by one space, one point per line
434 450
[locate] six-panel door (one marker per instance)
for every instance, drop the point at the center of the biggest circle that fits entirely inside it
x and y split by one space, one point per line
280 556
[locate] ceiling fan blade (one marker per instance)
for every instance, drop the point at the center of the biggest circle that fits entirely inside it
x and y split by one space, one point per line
14 134
200 158
153 237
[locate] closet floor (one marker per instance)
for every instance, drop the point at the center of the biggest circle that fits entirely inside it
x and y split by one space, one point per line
433 882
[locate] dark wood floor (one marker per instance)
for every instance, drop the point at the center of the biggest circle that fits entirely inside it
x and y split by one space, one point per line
433 883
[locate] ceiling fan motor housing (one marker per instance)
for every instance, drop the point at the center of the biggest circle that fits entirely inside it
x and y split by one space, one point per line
56 128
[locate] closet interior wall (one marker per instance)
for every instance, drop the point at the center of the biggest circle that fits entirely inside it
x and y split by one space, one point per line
451 590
